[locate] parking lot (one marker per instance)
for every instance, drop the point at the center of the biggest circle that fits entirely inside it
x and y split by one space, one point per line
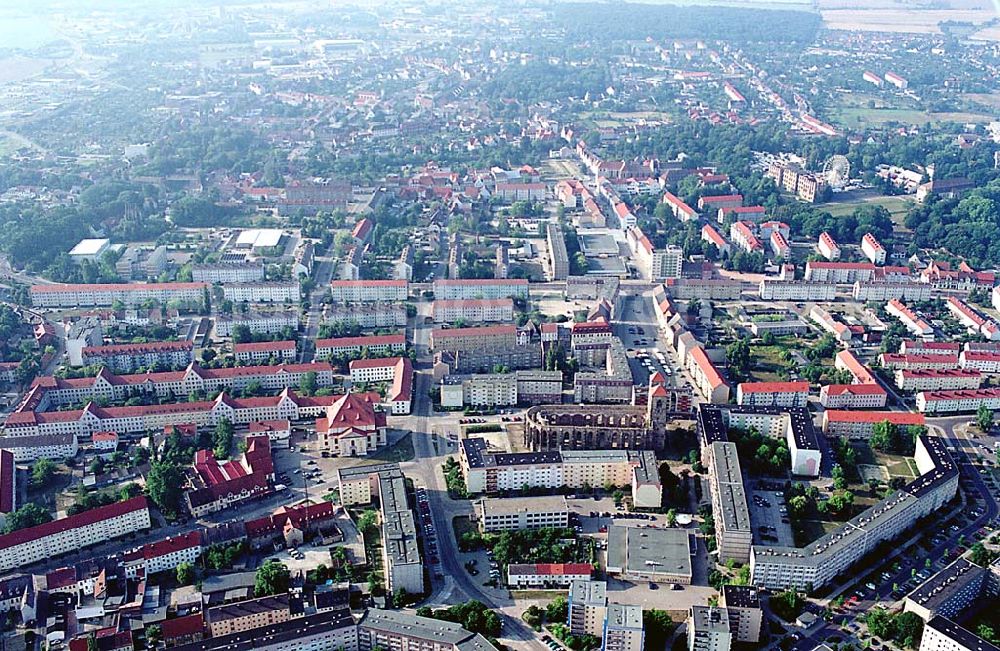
770 524
430 535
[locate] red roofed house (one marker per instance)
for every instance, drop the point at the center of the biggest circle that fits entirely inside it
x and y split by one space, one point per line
772 394
363 230
861 424
218 485
352 427
852 396
167 554
547 575
278 431
183 630
707 378
290 523
261 352
713 203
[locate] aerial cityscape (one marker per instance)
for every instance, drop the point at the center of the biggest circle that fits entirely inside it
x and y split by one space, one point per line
534 326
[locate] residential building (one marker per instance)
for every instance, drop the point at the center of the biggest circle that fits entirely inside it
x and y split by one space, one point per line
587 603
852 396
490 288
32 447
623 628
393 629
708 629
251 614
942 634
558 261
828 247
124 358
918 361
982 361
382 345
397 370
479 390
707 378
830 323
680 210
873 249
261 352
742 602
369 291
841 273
909 318
539 387
216 485
772 289
733 530
712 236
861 424
546 576
773 394
514 513
948 402
72 533
330 630
949 379
845 360
107 295
8 482
266 322
368 316
269 292
885 291
228 272
473 310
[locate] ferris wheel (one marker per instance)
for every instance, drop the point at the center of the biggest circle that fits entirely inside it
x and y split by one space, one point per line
837 171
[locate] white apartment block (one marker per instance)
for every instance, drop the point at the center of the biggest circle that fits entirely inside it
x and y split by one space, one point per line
861 424
733 530
369 291
276 292
382 345
473 310
623 629
73 533
828 247
490 390
514 513
982 361
949 402
708 629
908 318
456 289
367 315
106 295
938 379
546 575
257 322
258 352
852 396
873 249
242 272
772 289
840 273
829 323
28 449
666 263
885 291
773 394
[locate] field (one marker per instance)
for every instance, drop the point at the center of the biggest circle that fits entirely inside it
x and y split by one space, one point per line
901 19
856 116
897 207
605 119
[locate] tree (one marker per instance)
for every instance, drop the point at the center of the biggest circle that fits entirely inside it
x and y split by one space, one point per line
164 486
185 574
153 635
908 629
222 438
367 520
984 418
658 626
308 385
42 472
787 605
29 515
671 517
981 555
272 577
557 610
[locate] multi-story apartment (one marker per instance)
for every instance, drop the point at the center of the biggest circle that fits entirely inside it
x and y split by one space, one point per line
745 614
708 629
558 267
681 210
404 569
841 273
250 614
983 361
845 360
239 272
258 322
587 604
329 630
707 378
125 358
397 370
489 288
623 629
886 291
259 352
828 247
544 576
393 629
402 269
794 424
830 323
873 249
712 204
497 337
74 532
923 347
514 513
366 315
949 592
359 484
374 344
942 634
31 448
48 390
974 322
918 361
755 214
773 289
909 318
271 292
861 424
539 387
479 390
106 295
852 396
822 561
773 394
742 235
166 554
733 531
215 485
938 379
369 291
473 310
712 236
947 402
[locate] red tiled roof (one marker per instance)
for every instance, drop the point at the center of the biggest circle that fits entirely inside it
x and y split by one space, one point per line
855 389
172 544
372 340
894 417
261 426
707 367
774 387
77 521
557 569
258 346
152 346
182 627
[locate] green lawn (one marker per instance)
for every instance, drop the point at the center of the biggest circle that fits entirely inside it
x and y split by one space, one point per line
897 207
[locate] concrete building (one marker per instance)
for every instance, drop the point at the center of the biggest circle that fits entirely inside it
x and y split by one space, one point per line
32 447
841 273
558 262
951 379
873 249
623 628
378 345
261 352
227 272
886 291
861 424
473 310
942 634
852 396
706 376
369 291
742 602
393 629
587 603
522 513
638 554
128 357
452 289
772 289
773 394
89 250
708 629
546 576
948 402
828 247
262 292
733 531
909 318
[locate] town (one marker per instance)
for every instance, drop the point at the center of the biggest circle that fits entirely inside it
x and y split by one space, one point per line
484 327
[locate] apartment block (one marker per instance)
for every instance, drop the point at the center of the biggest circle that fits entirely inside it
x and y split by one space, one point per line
861 424
490 288
773 394
511 514
260 352
473 310
369 291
